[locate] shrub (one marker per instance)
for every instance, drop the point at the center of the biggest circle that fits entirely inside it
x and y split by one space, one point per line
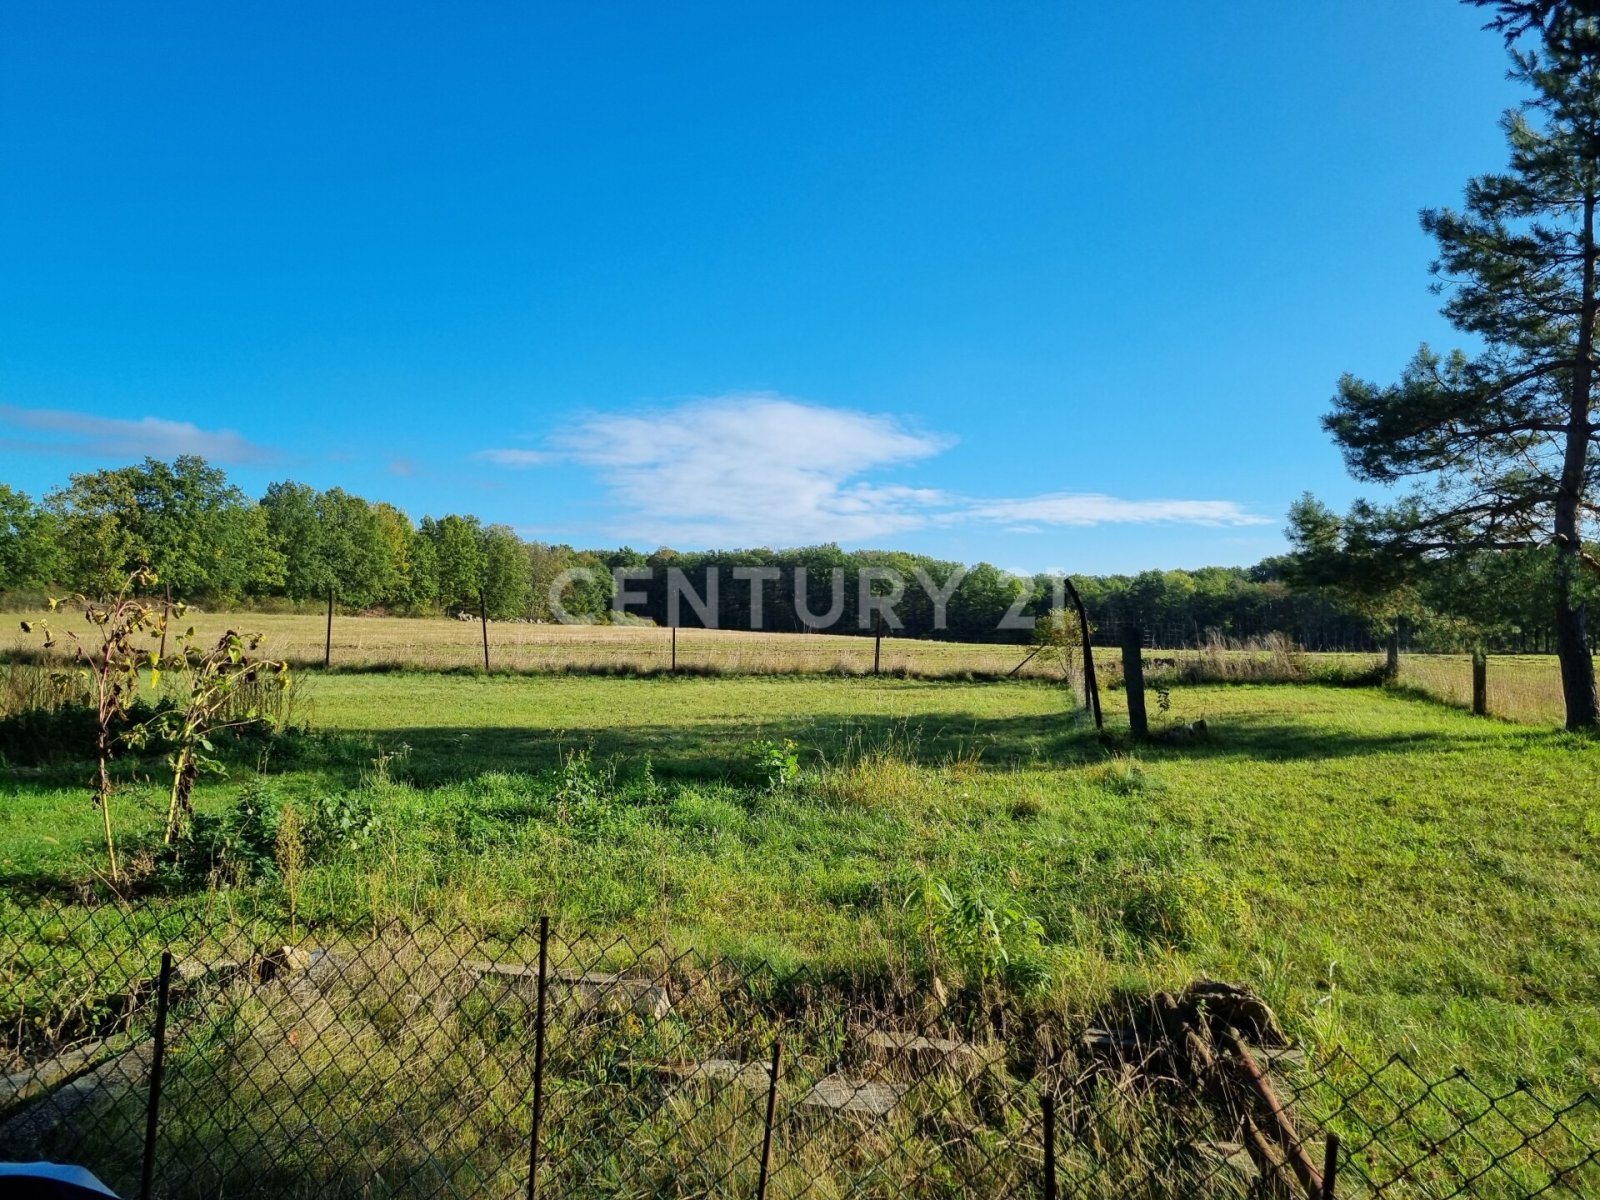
238 846
774 764
990 939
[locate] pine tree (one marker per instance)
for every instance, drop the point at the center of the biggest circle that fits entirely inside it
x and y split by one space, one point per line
1502 439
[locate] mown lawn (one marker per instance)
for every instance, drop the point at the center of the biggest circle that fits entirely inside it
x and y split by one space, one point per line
1394 875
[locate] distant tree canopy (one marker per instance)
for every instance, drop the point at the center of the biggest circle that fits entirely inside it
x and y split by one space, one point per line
213 544
29 547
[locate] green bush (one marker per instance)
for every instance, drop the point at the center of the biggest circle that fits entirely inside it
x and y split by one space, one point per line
241 845
774 764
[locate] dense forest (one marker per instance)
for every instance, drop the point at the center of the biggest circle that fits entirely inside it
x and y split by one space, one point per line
216 546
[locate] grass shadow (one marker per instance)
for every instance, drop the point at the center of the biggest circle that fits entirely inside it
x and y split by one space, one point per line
443 754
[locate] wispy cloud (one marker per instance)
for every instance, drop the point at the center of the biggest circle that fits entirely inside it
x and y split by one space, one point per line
759 468
517 459
1095 508
86 434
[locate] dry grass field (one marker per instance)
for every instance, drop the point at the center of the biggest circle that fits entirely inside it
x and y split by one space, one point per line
1522 688
434 644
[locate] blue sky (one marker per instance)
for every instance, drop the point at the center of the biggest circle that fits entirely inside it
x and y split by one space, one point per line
1048 285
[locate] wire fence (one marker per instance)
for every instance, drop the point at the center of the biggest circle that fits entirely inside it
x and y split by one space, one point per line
198 1055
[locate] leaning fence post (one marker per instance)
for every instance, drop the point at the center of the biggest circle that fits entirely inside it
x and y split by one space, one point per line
1091 686
1480 683
766 1132
483 619
1330 1165
327 646
1133 679
152 1116
538 1060
1048 1102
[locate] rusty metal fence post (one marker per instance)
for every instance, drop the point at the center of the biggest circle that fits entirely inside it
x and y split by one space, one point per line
152 1115
1091 685
766 1132
1048 1103
538 1059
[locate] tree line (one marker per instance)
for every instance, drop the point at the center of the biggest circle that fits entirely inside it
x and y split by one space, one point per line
212 544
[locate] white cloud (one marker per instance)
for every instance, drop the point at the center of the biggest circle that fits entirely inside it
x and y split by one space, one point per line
761 469
117 437
750 469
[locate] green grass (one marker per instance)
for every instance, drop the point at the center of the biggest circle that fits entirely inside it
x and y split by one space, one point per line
1392 874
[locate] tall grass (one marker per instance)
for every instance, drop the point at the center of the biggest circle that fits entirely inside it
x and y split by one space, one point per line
1525 688
30 687
1272 658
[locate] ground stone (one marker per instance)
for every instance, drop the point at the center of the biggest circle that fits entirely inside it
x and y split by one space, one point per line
591 989
926 1053
752 1076
839 1094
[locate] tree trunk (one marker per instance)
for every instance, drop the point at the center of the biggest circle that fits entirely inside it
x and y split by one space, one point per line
1572 646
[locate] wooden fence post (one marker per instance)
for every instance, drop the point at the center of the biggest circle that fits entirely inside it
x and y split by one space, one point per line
1480 683
674 649
166 619
1391 662
327 646
877 642
1133 679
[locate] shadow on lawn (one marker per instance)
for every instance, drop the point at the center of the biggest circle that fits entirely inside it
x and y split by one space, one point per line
444 754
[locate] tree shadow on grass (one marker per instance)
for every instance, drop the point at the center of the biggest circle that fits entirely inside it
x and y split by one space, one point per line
442 754
1272 740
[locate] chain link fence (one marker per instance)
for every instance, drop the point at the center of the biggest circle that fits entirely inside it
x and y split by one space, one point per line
217 1054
